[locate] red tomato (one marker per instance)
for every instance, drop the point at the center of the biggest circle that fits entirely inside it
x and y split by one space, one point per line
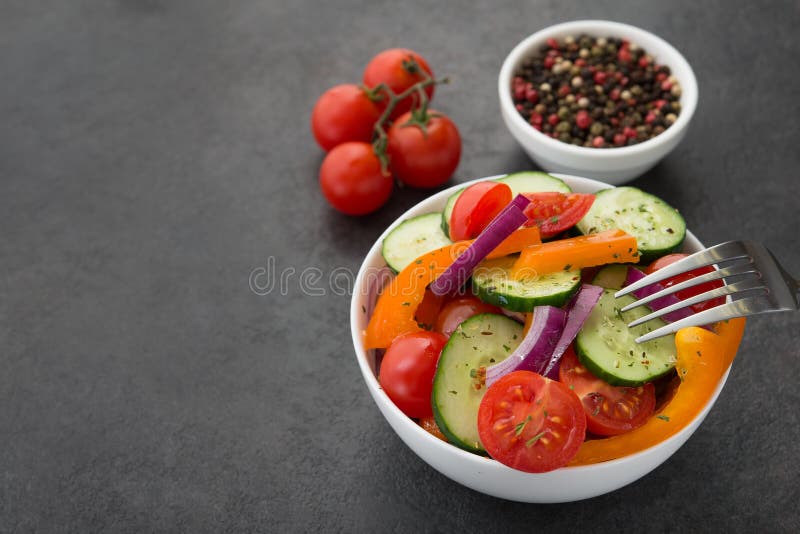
387 67
476 207
407 370
555 212
531 423
343 113
610 410
426 158
351 179
428 310
459 310
691 291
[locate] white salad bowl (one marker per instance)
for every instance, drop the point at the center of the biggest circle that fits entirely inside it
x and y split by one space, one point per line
478 472
612 165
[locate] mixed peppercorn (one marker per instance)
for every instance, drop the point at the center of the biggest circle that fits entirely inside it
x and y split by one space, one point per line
599 92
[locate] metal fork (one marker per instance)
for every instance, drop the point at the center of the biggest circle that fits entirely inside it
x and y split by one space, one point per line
761 286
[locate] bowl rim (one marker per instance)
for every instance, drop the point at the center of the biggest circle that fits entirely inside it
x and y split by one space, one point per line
478 461
523 48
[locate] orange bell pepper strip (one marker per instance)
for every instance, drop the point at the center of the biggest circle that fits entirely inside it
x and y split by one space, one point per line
611 246
703 357
397 305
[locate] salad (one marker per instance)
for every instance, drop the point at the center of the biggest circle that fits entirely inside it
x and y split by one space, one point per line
500 332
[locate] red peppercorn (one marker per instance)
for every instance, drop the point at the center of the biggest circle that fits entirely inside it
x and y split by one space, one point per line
600 77
583 120
624 80
660 103
619 139
519 107
661 76
643 62
536 119
624 55
537 127
549 62
629 132
666 85
531 95
650 118
614 121
563 90
598 141
614 94
580 62
519 92
552 119
631 102
552 43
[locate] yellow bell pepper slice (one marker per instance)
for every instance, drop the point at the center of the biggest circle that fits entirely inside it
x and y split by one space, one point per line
702 359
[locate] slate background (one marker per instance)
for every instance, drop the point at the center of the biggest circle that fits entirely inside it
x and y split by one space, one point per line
154 153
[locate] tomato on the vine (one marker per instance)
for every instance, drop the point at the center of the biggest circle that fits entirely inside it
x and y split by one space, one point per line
531 423
352 180
684 294
475 208
555 212
343 113
407 369
458 310
390 67
610 410
423 151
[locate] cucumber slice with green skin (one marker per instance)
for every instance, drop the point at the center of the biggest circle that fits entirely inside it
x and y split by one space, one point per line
411 239
448 210
519 182
612 276
607 347
534 182
658 227
480 341
493 284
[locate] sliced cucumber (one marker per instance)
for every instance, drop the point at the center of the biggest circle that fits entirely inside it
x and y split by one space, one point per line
534 182
448 210
658 227
479 342
493 284
607 347
611 276
411 239
519 182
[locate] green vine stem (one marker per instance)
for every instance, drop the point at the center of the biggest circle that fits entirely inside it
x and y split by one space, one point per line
419 111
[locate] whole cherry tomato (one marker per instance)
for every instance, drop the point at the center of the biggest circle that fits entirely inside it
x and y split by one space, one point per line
407 370
424 155
391 67
343 113
352 181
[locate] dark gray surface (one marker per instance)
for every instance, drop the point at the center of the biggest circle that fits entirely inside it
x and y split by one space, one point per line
154 153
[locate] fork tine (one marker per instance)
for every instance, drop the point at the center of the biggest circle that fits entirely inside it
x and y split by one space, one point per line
733 270
728 251
738 287
738 308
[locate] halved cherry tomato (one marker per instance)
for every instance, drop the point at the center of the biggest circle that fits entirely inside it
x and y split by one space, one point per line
407 370
610 410
691 291
476 207
556 212
531 423
459 310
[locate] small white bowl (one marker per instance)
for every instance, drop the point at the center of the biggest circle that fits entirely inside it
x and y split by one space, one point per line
612 165
478 472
